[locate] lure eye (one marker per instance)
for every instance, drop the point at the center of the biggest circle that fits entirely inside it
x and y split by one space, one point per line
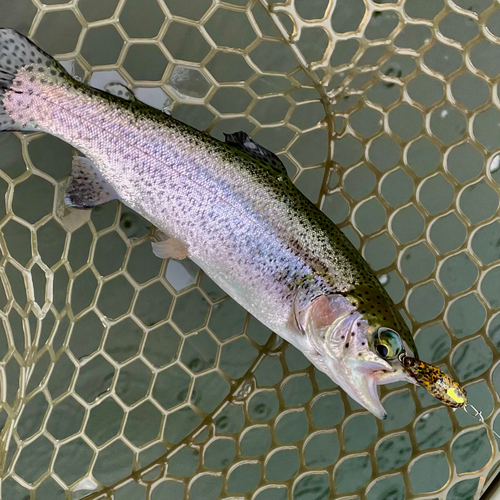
388 344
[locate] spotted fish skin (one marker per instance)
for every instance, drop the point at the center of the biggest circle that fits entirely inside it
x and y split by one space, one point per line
244 223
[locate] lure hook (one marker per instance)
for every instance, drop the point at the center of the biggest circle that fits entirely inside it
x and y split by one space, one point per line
478 415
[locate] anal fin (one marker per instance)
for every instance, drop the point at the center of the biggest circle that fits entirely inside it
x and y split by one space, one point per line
172 248
87 187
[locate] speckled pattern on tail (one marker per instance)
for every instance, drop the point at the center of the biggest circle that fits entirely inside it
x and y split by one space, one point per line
16 52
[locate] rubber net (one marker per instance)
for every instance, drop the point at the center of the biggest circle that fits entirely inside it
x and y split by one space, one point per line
127 377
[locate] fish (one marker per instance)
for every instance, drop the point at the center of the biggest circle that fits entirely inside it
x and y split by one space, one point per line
229 206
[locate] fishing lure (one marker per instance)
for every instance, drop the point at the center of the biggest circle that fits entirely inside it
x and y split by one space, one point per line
442 387
388 344
436 381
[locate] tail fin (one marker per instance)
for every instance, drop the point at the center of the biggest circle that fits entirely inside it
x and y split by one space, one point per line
17 51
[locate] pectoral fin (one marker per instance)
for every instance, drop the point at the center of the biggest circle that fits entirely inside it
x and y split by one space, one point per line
87 187
172 248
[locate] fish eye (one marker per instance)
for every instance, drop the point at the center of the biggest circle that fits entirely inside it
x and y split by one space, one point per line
387 344
382 350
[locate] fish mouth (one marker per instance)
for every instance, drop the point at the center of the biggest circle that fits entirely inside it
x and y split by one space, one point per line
362 385
376 406
364 391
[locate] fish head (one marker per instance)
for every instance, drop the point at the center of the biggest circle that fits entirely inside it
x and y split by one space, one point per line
357 350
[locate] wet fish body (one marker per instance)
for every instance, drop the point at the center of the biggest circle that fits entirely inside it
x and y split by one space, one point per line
230 204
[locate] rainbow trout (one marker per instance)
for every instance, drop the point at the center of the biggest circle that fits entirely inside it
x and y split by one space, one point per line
229 206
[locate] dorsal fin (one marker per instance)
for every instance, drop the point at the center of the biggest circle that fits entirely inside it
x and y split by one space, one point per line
243 142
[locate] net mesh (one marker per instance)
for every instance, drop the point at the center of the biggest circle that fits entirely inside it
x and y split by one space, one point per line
127 377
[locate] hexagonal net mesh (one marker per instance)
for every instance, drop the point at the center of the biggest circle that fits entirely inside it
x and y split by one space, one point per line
128 377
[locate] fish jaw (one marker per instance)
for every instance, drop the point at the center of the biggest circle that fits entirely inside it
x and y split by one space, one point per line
361 379
360 382
360 375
